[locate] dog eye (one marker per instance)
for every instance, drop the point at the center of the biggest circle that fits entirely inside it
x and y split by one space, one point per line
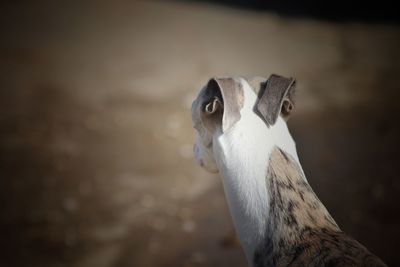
209 107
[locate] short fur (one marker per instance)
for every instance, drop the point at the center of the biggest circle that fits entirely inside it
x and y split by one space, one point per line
278 218
300 231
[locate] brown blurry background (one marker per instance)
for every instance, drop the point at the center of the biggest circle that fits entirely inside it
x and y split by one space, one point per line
96 163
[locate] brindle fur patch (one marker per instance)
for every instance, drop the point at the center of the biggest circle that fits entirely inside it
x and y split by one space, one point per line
300 231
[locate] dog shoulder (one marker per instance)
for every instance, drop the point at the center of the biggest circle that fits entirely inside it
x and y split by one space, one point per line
316 247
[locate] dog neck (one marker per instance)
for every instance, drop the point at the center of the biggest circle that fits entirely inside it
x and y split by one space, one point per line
263 180
294 214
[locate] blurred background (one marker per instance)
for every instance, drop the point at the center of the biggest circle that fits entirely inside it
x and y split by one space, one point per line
96 164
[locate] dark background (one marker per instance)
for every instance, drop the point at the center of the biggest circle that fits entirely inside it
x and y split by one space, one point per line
330 10
96 164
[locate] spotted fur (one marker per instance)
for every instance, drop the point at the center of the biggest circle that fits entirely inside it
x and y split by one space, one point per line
300 231
278 218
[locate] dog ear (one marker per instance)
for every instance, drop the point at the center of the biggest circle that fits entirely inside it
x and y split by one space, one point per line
275 98
222 103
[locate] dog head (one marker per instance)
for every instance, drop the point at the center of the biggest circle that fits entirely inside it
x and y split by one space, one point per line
220 103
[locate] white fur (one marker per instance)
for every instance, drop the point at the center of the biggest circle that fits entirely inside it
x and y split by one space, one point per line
241 155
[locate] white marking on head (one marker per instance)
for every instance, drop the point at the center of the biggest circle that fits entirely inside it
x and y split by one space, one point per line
241 155
219 106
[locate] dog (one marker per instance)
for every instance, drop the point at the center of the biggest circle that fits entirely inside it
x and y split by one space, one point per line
242 134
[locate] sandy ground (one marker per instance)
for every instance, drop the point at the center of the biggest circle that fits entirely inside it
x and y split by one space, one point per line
96 163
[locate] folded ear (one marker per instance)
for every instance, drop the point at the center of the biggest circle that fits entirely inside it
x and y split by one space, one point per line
275 98
223 99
